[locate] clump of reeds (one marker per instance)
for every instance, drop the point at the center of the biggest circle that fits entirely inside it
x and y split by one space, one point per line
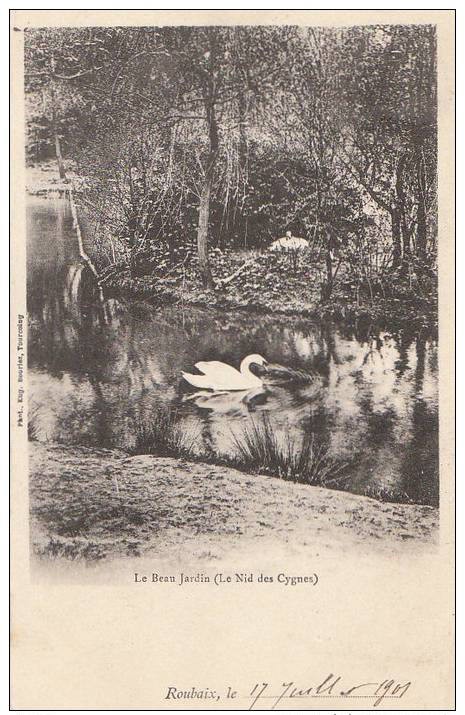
387 494
162 435
260 449
33 426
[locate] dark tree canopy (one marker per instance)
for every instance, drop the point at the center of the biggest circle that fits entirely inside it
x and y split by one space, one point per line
230 136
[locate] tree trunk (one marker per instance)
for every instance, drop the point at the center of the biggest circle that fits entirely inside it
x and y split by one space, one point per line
406 242
327 287
329 269
58 152
204 206
396 238
421 210
243 156
243 143
202 231
401 203
59 155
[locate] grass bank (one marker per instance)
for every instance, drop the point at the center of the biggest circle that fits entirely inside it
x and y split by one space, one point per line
258 449
90 505
270 283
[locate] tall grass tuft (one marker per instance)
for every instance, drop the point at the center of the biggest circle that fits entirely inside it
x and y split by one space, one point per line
162 435
260 449
33 426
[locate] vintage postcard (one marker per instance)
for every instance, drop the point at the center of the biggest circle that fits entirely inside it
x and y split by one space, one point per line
232 359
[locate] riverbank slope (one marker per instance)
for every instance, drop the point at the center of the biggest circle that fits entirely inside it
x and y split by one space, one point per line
90 505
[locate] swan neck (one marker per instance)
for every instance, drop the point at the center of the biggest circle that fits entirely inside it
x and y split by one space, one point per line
245 366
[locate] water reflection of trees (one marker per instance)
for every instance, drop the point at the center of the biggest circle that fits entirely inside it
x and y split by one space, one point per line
391 433
420 466
119 364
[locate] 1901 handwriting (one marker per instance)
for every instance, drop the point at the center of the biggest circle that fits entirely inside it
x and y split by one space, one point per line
270 697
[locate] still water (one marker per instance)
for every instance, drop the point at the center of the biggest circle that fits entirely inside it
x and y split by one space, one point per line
92 372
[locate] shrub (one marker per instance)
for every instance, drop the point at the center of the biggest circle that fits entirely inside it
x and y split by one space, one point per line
162 435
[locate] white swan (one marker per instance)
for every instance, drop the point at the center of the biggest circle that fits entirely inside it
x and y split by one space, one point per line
289 243
220 376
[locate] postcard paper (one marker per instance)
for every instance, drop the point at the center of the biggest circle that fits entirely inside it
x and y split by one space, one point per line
232 349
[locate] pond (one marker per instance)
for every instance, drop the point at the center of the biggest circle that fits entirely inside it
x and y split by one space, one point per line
93 372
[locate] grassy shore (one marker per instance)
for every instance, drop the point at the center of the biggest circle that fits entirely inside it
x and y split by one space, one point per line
270 284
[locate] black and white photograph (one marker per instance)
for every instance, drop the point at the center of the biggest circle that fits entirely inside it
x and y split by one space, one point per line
232 320
231 290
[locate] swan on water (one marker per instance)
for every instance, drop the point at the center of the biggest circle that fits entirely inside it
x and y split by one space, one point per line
220 376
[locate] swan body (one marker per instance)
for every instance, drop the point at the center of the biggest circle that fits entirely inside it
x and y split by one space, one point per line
289 243
220 376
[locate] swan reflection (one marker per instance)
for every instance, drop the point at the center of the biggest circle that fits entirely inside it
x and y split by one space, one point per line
228 402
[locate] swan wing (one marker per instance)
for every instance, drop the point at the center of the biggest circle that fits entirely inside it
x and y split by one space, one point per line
218 370
201 381
220 376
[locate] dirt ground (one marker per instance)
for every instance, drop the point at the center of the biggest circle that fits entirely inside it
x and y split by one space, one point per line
94 506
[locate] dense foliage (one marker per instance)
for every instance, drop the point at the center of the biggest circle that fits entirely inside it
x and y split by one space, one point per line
194 138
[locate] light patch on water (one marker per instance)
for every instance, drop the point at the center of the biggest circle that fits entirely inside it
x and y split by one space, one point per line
372 394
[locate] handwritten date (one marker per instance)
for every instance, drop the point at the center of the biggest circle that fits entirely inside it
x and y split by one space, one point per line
331 687
267 696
